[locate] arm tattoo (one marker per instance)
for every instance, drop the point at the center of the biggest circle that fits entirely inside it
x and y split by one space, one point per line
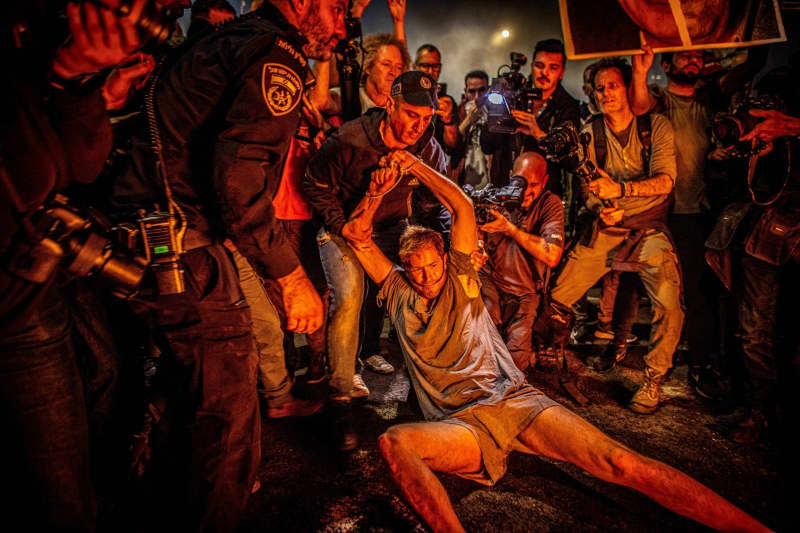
658 184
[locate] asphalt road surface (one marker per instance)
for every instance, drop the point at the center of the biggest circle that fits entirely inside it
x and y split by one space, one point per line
307 486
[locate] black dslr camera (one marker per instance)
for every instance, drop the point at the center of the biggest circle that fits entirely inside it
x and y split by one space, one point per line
504 199
63 237
729 126
565 146
348 65
509 90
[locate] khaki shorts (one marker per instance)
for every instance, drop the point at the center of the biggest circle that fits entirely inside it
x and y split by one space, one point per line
497 426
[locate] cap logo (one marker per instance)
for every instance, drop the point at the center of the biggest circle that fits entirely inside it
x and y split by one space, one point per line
425 82
397 88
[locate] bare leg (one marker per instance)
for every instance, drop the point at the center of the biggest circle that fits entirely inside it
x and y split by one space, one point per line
560 434
414 450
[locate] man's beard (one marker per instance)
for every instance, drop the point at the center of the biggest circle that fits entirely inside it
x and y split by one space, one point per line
318 37
682 78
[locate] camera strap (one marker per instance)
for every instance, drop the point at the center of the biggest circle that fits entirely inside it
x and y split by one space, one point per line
644 130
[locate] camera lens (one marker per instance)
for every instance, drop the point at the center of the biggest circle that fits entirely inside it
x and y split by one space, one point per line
726 130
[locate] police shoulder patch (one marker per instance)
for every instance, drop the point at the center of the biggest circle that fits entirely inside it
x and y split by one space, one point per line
281 87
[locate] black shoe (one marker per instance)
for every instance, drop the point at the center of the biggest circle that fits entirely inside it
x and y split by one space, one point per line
342 415
705 382
612 354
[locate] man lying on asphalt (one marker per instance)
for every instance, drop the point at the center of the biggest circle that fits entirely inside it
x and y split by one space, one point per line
478 405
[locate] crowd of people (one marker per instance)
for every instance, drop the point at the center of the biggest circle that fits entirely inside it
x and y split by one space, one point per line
177 209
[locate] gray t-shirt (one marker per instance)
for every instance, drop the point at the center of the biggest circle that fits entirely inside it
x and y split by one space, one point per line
690 120
624 163
454 354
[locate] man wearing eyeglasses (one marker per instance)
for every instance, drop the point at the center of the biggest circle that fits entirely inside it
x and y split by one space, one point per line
471 164
429 61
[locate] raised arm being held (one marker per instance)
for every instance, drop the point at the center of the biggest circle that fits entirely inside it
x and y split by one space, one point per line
464 232
358 229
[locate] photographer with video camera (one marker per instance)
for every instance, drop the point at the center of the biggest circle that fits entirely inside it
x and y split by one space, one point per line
54 133
545 105
522 243
754 248
630 172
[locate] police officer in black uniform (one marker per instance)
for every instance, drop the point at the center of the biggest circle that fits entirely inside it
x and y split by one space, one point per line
225 108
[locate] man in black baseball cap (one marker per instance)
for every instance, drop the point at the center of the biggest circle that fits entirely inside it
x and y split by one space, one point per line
410 108
336 179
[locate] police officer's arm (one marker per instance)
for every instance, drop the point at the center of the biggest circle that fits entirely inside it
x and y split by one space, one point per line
248 158
464 230
639 94
374 262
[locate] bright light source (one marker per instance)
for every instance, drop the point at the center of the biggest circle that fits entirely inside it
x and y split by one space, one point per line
496 98
505 34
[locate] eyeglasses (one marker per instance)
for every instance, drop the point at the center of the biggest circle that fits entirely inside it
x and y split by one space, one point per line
430 66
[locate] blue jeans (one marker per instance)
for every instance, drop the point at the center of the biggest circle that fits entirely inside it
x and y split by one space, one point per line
345 278
44 454
273 378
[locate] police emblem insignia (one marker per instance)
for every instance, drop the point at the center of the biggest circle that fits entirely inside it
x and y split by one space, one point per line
425 82
281 87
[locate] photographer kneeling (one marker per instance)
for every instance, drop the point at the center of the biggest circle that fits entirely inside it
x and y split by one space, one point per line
521 247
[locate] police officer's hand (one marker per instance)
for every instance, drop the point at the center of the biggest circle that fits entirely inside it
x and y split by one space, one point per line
98 39
117 88
400 159
611 216
383 180
604 187
301 302
528 124
774 125
499 224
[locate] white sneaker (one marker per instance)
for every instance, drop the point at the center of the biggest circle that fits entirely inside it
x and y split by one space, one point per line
378 364
360 389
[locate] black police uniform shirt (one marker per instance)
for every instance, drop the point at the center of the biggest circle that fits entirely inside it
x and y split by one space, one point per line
227 106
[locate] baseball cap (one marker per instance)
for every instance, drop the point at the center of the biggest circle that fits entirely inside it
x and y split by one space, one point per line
417 88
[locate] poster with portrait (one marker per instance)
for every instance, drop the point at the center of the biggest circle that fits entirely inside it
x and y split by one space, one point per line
598 28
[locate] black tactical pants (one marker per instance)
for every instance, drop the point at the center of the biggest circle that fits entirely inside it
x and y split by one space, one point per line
214 444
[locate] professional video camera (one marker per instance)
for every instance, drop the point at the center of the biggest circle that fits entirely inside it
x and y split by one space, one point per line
61 236
509 90
349 67
565 146
729 126
503 199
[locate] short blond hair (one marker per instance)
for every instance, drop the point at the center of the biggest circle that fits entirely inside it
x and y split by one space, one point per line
415 237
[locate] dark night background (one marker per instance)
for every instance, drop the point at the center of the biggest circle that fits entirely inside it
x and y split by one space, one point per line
468 34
